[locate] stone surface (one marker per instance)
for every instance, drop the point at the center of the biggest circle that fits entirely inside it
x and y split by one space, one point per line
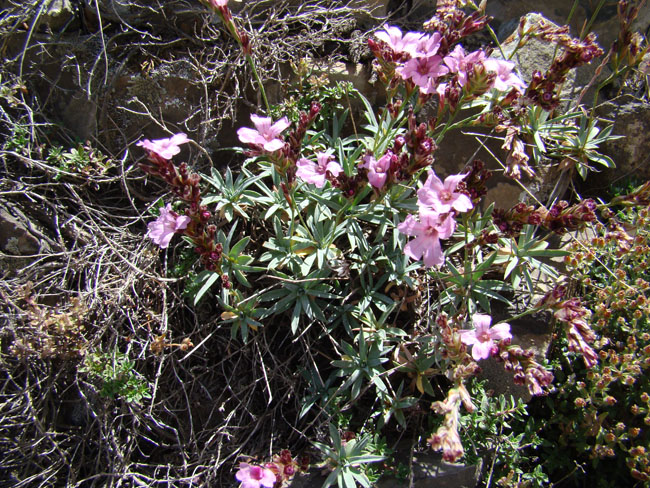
506 15
429 471
58 13
534 55
631 153
18 234
505 194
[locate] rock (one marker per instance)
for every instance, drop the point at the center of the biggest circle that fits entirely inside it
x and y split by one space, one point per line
429 471
170 91
506 15
631 153
505 194
79 115
17 233
57 14
534 55
117 8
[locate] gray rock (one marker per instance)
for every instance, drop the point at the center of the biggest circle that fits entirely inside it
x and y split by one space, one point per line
429 471
631 153
534 55
506 15
57 14
17 233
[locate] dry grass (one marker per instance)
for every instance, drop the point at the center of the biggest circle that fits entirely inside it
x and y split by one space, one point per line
96 284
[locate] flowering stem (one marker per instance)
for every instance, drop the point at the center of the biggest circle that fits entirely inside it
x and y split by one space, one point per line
467 271
251 63
400 119
449 125
244 43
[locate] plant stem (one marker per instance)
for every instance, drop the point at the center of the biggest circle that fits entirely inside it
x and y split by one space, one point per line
251 63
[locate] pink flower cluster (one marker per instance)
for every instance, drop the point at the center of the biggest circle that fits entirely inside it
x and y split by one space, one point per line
251 476
377 169
166 225
265 135
482 337
316 173
164 148
573 315
437 202
579 334
447 438
424 64
526 371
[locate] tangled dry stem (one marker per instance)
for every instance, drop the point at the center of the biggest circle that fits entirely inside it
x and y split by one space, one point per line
96 284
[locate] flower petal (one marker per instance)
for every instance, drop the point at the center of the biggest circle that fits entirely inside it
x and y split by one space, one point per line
279 126
433 255
248 135
481 321
500 332
433 182
182 221
468 337
334 168
482 350
410 226
415 248
462 203
262 124
273 145
451 182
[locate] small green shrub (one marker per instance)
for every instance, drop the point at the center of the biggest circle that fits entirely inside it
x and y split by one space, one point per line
596 425
117 376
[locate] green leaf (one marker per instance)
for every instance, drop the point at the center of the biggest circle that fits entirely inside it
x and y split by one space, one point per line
362 479
208 278
348 479
334 435
369 113
295 318
367 458
331 479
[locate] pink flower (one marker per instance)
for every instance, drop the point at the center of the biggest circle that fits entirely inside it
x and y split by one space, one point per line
316 173
219 3
163 228
165 148
428 231
377 170
461 63
254 476
442 197
572 313
265 133
482 337
433 87
505 79
428 45
407 43
423 70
